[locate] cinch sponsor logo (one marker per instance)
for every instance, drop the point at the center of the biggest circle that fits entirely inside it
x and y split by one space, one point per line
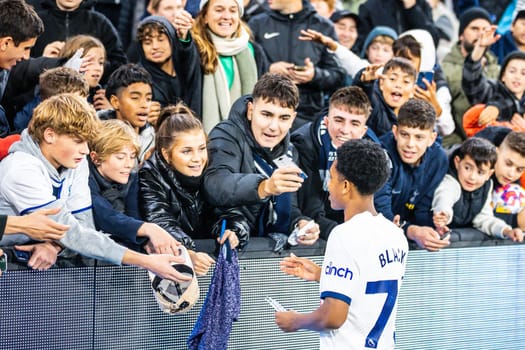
344 272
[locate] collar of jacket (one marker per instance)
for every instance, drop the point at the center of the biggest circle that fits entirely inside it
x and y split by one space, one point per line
104 183
170 176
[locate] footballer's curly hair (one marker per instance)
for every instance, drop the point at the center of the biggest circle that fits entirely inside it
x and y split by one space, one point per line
363 163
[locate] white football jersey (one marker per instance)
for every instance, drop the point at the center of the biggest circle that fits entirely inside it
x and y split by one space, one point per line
364 265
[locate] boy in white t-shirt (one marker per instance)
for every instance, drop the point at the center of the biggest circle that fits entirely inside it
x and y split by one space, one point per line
364 262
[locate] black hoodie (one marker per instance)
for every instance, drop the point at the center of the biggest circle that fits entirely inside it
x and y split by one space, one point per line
61 25
187 84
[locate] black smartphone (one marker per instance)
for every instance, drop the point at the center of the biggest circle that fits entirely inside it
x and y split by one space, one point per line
445 236
429 76
3 262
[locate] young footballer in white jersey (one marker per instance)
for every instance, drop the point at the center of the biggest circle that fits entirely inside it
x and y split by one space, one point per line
364 262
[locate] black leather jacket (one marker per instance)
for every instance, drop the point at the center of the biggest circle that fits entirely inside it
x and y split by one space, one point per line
181 212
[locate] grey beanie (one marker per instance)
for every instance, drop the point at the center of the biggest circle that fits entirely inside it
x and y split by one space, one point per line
239 3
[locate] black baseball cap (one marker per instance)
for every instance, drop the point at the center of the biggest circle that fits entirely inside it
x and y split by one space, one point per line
338 15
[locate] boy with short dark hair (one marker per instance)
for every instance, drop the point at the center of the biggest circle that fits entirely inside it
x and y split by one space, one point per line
48 169
317 143
463 199
19 28
365 256
393 88
416 45
418 166
129 90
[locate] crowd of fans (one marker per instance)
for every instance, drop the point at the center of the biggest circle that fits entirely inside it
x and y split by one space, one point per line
132 128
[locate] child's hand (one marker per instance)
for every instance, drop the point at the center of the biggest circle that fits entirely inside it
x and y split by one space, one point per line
515 234
370 73
312 35
518 122
100 101
488 115
201 262
53 49
183 23
440 219
429 95
231 237
154 112
43 255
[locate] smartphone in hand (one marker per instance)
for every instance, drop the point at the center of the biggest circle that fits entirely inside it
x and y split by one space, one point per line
284 161
429 76
445 236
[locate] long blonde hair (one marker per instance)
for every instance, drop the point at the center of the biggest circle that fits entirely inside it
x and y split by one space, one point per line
207 51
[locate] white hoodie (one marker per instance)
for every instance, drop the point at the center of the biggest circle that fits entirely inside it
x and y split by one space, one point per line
445 122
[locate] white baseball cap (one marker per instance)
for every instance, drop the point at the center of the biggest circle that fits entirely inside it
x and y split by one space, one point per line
176 297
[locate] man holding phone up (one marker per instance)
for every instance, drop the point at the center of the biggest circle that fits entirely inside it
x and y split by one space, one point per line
314 70
242 172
